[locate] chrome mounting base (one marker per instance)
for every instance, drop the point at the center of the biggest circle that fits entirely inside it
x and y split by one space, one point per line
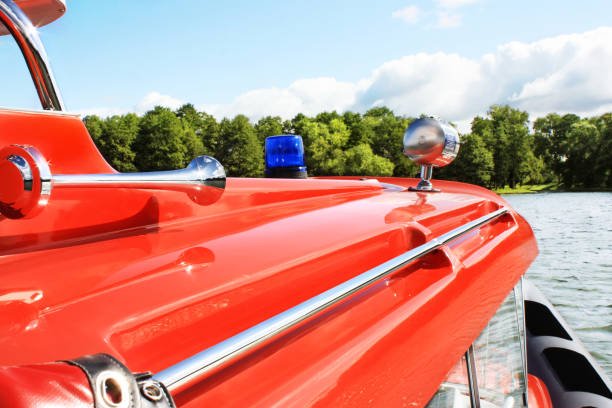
425 185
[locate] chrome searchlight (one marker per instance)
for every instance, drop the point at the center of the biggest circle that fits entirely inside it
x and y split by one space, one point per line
27 181
285 157
430 142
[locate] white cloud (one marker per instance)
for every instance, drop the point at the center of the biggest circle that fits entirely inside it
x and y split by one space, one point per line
454 3
448 20
424 83
580 79
308 96
148 102
409 14
153 99
568 73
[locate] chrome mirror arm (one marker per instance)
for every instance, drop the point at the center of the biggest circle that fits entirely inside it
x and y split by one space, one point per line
28 182
26 35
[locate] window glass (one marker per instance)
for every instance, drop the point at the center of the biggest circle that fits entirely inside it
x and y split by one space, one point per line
17 90
498 354
499 357
454 391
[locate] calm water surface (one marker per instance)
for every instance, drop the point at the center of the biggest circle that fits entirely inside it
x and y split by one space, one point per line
574 267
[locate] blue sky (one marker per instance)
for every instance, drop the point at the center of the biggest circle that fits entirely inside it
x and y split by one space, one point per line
448 57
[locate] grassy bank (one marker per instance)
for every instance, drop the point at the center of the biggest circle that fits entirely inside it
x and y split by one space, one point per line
529 188
539 188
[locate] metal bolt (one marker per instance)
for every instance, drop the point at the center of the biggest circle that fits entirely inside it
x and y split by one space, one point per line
152 391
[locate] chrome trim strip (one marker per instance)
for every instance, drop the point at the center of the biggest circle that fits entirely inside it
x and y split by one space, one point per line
472 377
26 35
201 363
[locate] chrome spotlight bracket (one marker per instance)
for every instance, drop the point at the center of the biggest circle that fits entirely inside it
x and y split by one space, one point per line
430 142
27 181
425 182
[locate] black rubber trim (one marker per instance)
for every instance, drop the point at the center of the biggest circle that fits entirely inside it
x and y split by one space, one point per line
95 365
575 372
541 322
287 172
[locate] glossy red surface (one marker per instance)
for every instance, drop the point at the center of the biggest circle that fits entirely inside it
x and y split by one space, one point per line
43 386
61 138
538 393
152 278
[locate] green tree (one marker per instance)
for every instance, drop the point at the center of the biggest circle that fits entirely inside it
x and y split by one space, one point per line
534 170
506 134
297 124
603 163
514 124
324 145
387 140
239 150
351 119
327 117
122 132
582 147
362 131
114 137
268 126
379 112
551 133
361 160
288 128
474 163
193 144
204 126
94 126
160 144
500 150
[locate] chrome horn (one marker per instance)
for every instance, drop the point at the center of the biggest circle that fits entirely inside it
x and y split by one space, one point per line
27 181
430 142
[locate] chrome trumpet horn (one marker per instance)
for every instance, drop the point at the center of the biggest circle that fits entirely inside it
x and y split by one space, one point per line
27 181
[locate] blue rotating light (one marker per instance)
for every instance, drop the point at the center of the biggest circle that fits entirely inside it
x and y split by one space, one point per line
285 157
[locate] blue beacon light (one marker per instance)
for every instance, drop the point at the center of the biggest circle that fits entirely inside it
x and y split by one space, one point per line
285 157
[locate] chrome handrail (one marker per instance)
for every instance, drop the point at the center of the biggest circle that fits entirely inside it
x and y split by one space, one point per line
232 348
26 35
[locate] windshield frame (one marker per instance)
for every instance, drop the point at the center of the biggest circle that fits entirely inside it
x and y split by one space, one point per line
33 51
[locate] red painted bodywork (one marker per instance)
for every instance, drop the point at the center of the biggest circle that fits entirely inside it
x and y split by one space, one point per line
152 278
538 393
44 385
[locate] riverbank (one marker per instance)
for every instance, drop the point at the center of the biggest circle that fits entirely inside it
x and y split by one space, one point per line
540 188
529 188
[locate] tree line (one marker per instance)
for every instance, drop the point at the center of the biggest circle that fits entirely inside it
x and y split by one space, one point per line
501 149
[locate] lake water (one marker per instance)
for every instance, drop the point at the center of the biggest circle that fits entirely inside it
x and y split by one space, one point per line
574 267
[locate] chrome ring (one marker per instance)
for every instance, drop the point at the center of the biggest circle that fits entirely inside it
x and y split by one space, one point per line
113 390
